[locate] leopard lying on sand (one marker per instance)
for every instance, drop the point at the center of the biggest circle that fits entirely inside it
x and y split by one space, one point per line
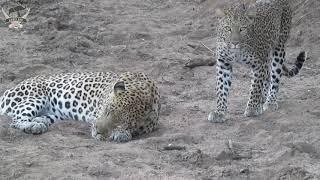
118 106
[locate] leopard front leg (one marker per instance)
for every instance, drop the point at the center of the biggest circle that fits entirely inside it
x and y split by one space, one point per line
254 105
224 76
266 82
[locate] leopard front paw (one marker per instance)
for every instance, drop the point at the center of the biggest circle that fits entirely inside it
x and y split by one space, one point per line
216 117
120 136
100 137
43 120
253 111
270 106
35 128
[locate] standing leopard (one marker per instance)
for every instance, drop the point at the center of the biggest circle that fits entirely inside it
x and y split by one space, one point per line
119 107
254 33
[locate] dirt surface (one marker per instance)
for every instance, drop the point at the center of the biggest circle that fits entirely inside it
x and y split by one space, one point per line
159 37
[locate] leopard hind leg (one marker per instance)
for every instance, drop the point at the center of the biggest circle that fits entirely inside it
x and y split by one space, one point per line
277 60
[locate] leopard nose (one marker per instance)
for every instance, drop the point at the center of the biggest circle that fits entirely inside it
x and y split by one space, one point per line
235 43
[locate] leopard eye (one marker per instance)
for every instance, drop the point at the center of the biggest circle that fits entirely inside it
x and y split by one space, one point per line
243 29
227 28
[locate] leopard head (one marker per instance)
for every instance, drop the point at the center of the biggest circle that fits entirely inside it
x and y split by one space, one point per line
235 22
125 107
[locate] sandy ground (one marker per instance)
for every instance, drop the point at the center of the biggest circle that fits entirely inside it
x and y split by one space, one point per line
158 37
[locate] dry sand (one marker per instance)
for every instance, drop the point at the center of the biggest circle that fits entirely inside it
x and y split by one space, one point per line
158 37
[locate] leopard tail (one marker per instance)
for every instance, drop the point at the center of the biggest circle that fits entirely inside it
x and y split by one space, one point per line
1 109
302 57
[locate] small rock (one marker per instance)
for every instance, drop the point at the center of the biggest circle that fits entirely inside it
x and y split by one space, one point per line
29 164
9 76
245 171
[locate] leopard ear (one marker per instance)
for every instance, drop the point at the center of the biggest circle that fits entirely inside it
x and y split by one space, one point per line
219 12
249 2
251 10
119 87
